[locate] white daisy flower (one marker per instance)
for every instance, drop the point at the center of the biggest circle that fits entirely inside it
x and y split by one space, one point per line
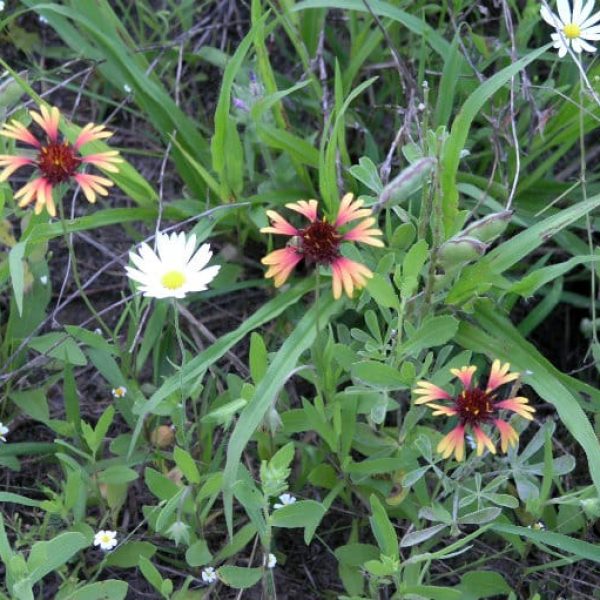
270 561
3 431
284 500
209 575
44 279
119 392
573 27
174 270
107 540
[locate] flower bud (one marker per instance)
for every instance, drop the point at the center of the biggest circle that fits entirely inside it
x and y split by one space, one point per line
490 227
460 250
591 507
409 181
163 436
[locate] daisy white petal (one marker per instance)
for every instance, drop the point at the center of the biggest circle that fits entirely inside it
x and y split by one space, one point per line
564 10
172 271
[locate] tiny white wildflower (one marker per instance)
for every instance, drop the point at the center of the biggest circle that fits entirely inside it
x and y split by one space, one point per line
2 5
119 392
98 331
209 575
43 20
127 89
421 107
175 270
3 431
44 279
107 540
284 500
270 561
537 526
573 27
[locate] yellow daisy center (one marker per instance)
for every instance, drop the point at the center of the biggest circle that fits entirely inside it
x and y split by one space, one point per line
173 280
572 31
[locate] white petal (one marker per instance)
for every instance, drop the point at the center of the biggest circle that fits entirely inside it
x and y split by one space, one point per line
592 30
136 275
550 17
576 18
585 46
576 45
189 247
586 11
562 51
200 280
201 258
149 257
591 21
592 34
564 10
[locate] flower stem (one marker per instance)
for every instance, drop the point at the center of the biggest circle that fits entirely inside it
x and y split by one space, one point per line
69 241
181 426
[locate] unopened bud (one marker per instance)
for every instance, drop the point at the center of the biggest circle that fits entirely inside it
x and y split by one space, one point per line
163 436
460 250
409 181
591 507
490 227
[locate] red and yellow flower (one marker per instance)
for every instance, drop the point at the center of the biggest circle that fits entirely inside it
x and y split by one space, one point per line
475 407
320 241
56 160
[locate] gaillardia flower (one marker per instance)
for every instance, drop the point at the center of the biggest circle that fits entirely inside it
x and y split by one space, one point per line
175 270
573 27
56 160
319 243
475 407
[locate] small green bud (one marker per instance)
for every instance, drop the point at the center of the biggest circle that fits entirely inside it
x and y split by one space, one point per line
490 227
591 507
460 250
407 182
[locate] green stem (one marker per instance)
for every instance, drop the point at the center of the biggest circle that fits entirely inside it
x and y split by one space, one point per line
181 425
76 278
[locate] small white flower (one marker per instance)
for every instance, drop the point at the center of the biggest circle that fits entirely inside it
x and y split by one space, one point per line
3 431
98 331
175 269
209 575
284 500
107 540
179 532
537 526
127 89
119 392
44 279
270 561
1 5
471 441
573 27
43 20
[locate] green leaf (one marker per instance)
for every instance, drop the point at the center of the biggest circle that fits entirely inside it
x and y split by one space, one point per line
110 589
378 375
383 530
277 374
434 331
382 291
61 346
461 126
304 513
482 584
198 554
46 557
18 499
33 403
258 357
127 555
355 555
17 272
117 474
186 464
239 577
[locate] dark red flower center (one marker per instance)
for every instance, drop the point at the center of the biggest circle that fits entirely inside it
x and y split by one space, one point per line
474 406
320 242
58 161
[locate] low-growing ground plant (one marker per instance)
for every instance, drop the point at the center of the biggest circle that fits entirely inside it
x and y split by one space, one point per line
299 299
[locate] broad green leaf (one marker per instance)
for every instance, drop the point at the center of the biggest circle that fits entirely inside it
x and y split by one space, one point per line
17 272
117 474
434 331
304 513
239 578
186 464
198 554
378 375
127 555
46 557
110 589
383 530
